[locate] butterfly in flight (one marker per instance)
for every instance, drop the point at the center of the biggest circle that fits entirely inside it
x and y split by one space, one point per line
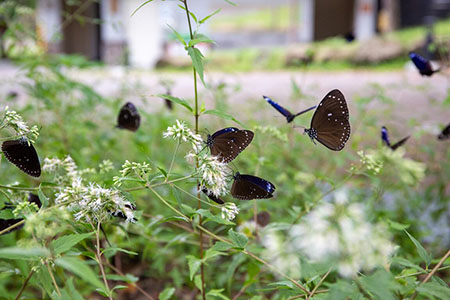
227 143
445 134
214 198
5 223
329 124
248 187
289 116
385 139
22 154
129 117
422 64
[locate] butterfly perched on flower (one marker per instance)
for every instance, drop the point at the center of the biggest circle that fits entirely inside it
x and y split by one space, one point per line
386 141
212 197
6 223
129 117
289 116
22 154
330 123
248 187
445 134
422 64
227 143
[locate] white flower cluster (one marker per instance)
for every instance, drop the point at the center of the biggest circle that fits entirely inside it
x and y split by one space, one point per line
14 120
180 131
339 232
213 174
370 162
141 170
88 202
229 211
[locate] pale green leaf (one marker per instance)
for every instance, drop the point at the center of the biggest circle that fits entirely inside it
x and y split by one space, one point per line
176 100
433 289
179 37
222 115
24 253
238 239
81 269
166 293
209 16
422 252
140 6
66 242
197 61
194 264
42 197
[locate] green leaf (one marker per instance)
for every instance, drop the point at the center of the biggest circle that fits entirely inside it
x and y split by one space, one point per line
197 61
127 277
163 172
422 252
217 293
406 263
179 37
114 250
432 289
200 38
397 226
194 264
238 239
231 3
166 293
81 269
210 253
65 243
140 6
381 284
222 115
6 214
209 16
221 246
72 291
42 197
176 100
207 214
24 253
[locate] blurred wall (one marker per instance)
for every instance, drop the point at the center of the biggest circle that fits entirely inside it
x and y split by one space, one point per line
332 18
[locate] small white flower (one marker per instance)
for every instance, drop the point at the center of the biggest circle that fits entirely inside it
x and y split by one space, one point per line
213 173
229 211
181 132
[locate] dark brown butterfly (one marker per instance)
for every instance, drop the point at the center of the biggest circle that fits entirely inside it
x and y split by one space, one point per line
289 116
120 214
129 117
329 124
445 134
5 223
22 154
248 187
385 139
422 64
263 218
214 198
227 143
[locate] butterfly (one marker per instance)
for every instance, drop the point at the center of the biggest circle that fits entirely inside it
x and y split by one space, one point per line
289 116
212 197
121 215
422 64
329 124
227 143
385 139
129 117
22 153
5 223
445 134
263 218
248 187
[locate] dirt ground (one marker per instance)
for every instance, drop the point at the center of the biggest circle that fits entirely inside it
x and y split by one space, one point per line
416 96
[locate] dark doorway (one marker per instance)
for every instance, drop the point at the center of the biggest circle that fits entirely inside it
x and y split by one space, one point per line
333 18
81 29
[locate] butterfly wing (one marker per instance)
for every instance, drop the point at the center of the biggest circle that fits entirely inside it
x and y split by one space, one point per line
385 136
399 143
280 109
227 143
248 187
216 199
23 155
421 63
129 117
330 121
445 134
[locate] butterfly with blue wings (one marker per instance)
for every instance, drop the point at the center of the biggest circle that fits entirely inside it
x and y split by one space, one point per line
227 143
248 187
386 142
22 154
422 64
289 116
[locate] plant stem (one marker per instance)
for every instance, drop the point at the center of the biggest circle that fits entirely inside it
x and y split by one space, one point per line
432 272
202 269
53 279
318 284
12 227
138 188
173 160
24 285
99 260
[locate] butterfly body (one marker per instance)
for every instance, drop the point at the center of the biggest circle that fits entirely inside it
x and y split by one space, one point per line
248 187
330 123
227 143
289 116
422 64
386 141
216 199
22 154
129 117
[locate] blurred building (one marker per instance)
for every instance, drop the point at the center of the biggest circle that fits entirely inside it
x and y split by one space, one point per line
106 30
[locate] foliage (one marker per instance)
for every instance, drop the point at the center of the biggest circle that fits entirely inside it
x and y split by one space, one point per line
123 215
